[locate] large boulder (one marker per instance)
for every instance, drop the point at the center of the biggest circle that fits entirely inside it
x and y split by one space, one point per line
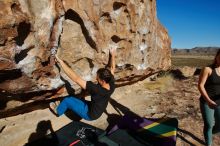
84 30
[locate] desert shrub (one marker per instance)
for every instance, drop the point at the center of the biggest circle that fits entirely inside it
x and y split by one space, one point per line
162 83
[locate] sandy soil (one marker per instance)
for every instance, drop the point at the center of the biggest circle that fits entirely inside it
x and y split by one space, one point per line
164 97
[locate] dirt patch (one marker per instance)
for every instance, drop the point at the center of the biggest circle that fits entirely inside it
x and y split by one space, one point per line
162 97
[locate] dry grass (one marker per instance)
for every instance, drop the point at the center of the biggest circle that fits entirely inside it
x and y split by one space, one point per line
166 81
190 60
161 84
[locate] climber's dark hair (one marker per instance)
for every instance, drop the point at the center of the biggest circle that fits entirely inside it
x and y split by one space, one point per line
214 64
104 74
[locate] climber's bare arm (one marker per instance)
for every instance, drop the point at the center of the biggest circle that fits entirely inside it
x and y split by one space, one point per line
71 74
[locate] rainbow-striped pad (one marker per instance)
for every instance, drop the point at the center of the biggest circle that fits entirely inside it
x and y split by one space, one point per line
152 131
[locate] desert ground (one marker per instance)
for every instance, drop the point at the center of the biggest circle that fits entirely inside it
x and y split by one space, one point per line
169 94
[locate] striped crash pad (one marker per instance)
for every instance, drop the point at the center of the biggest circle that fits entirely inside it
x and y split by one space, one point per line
140 131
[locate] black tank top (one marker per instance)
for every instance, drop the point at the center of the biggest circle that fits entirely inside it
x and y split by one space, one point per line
212 85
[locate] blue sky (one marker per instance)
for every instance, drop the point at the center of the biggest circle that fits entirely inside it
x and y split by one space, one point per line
191 23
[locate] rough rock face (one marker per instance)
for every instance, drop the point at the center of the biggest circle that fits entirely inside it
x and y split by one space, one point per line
84 30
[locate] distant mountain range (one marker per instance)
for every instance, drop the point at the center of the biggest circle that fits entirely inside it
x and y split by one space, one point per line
196 51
